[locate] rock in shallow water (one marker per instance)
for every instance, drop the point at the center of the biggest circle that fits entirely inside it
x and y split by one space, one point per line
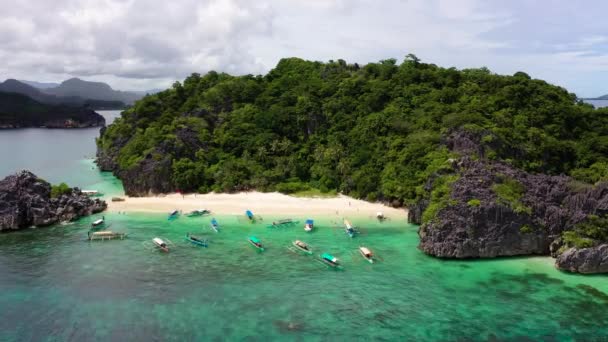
25 201
585 260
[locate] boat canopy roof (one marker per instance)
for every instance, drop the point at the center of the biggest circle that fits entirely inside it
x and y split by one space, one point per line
365 251
328 256
214 221
309 221
98 221
158 241
248 213
254 239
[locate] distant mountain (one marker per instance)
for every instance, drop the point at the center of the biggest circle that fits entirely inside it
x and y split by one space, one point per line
40 85
14 86
17 110
92 90
147 92
603 97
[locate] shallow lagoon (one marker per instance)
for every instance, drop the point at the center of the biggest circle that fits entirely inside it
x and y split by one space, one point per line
57 286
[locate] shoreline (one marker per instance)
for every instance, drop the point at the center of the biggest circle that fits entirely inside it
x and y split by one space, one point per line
260 203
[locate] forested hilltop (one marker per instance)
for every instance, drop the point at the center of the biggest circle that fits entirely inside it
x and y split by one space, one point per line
403 133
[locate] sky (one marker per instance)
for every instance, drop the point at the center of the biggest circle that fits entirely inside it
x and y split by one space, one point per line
146 44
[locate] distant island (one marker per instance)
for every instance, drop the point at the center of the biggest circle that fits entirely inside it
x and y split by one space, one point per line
488 165
20 111
603 97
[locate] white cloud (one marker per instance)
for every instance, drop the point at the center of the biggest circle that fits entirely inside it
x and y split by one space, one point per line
150 43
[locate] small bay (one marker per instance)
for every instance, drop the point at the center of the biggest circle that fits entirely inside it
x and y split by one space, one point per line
57 286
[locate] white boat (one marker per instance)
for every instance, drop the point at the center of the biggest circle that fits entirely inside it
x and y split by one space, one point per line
162 245
91 193
367 254
380 216
98 222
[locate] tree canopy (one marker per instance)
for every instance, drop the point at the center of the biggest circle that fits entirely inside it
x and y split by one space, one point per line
373 131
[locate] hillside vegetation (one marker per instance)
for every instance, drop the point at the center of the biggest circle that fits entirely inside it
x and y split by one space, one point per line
374 131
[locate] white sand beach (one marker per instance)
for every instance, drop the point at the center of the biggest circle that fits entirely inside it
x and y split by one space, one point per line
260 203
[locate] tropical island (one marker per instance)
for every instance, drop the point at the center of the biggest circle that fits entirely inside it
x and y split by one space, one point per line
20 111
489 165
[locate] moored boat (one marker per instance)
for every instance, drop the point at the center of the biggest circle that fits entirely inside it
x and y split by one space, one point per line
367 254
98 223
198 212
302 247
215 225
91 193
309 225
380 216
330 260
249 215
106 235
255 242
196 240
173 215
350 230
162 245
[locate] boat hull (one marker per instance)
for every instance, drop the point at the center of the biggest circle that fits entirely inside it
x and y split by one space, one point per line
259 248
196 242
302 250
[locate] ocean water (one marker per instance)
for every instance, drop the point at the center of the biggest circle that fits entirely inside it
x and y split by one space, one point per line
57 286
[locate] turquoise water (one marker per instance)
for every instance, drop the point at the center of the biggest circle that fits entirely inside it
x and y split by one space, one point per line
56 286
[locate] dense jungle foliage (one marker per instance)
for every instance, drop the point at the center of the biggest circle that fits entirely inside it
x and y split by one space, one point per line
373 131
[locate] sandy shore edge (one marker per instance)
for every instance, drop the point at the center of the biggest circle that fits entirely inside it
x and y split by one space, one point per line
274 203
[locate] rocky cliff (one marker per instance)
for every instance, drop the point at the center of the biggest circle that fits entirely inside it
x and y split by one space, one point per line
492 209
25 201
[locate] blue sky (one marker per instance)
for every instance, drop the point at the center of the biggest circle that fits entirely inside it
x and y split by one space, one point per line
142 44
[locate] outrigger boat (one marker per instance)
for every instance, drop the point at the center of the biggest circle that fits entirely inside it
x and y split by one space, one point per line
309 225
330 260
162 245
196 240
302 247
282 223
350 230
98 223
173 215
380 216
255 242
198 212
91 193
215 225
106 235
367 254
250 215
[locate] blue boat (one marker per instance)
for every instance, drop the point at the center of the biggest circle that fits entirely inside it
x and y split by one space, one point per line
309 225
197 241
173 215
350 230
255 242
249 215
330 260
215 225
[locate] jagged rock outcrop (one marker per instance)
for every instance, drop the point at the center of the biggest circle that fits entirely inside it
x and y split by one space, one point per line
476 222
25 201
584 260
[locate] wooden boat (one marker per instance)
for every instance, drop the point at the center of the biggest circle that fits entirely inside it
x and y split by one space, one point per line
173 215
309 225
98 223
198 212
106 235
215 225
282 223
330 260
91 193
350 230
302 247
255 242
196 240
367 254
162 245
